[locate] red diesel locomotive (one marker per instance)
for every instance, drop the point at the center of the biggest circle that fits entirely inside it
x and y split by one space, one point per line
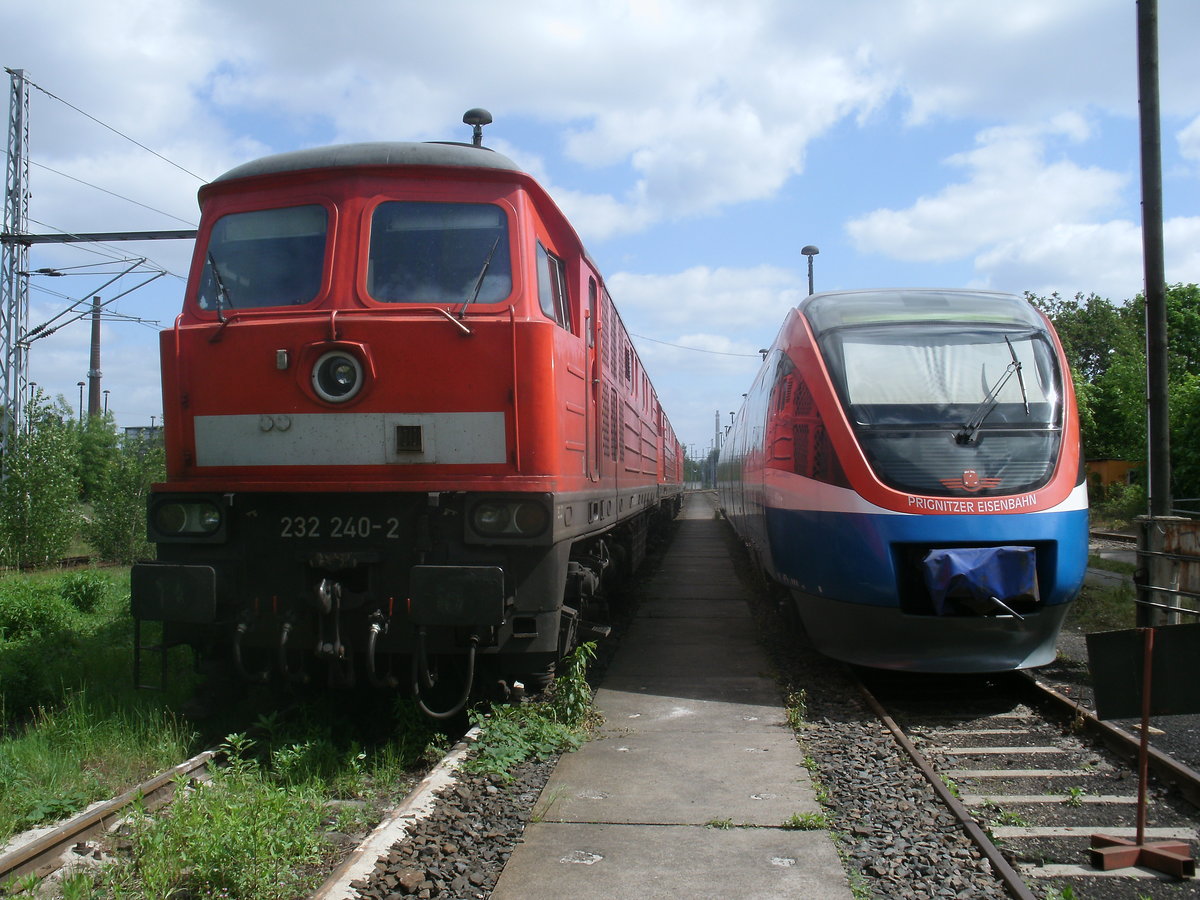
406 430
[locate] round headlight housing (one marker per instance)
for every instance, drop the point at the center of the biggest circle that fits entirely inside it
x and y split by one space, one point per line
491 518
509 518
187 517
529 518
337 376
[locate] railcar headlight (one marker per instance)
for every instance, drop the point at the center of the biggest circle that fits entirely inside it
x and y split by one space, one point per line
509 518
187 517
337 376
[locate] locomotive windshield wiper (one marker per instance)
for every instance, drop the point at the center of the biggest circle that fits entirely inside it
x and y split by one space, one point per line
487 263
966 434
222 291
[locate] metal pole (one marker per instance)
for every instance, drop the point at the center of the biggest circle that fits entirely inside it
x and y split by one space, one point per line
1158 423
14 260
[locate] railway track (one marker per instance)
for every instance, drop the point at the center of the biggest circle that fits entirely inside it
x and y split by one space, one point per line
1031 776
44 854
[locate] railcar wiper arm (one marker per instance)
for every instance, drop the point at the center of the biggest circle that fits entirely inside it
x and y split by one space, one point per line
966 434
1020 377
487 264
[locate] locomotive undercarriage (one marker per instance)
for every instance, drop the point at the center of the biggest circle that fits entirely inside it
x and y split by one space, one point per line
390 590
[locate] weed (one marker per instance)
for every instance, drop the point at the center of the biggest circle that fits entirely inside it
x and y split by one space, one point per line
85 590
1008 817
79 886
509 735
722 824
571 702
950 786
1074 796
242 834
797 708
809 821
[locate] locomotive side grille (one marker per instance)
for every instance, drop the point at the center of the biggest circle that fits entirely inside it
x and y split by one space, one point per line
408 439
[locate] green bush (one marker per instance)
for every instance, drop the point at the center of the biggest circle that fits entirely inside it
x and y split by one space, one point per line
85 590
117 530
31 608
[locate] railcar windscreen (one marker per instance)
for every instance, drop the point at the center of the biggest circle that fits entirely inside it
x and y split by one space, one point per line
268 257
439 253
946 409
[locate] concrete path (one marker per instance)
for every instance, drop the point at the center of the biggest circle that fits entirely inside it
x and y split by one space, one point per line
684 791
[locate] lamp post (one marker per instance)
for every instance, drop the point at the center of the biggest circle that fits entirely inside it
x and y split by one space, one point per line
106 402
810 251
81 385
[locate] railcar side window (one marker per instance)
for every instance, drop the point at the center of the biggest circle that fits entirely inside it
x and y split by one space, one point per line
268 257
552 288
439 253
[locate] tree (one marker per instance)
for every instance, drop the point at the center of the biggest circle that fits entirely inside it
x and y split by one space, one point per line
38 500
117 530
97 451
1105 344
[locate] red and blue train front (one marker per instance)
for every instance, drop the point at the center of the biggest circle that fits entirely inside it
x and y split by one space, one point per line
869 601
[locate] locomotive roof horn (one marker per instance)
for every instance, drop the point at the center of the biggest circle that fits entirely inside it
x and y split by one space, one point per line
477 118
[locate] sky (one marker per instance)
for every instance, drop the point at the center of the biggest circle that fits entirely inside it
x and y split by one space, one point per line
696 146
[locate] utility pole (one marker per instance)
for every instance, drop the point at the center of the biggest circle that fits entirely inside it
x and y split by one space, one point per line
1157 526
1158 432
14 261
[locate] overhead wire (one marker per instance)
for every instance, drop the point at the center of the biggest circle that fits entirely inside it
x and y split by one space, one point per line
121 134
693 349
113 193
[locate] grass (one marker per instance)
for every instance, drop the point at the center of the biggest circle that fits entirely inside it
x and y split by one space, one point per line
809 821
88 749
73 729
76 731
1103 609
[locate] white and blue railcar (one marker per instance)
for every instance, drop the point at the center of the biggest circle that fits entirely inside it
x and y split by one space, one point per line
907 465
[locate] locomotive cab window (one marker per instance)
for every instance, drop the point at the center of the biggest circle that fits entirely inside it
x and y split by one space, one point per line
439 253
552 288
268 257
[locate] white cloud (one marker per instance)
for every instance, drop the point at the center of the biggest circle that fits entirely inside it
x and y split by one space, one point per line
1012 194
1189 141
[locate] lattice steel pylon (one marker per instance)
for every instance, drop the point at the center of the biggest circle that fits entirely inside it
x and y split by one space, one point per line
14 264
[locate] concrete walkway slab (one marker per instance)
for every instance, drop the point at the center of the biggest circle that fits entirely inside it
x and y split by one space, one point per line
694 735
614 862
752 693
665 778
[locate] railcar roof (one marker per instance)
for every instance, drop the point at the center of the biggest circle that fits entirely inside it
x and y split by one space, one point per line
373 153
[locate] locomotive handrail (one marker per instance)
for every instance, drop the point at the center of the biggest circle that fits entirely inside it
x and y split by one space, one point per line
274 310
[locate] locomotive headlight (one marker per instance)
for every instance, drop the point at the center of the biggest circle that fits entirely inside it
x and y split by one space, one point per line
509 518
491 518
180 518
337 376
529 518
